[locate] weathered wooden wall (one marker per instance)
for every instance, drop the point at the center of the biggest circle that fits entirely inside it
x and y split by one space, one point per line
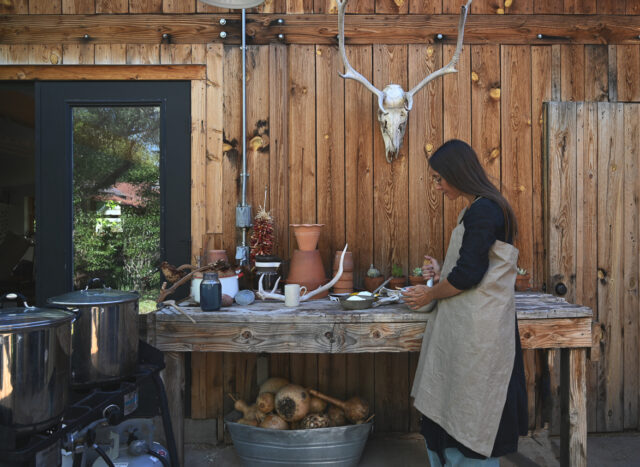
325 162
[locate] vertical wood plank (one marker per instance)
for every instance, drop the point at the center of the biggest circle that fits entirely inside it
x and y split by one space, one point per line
359 133
363 7
630 265
110 54
202 7
232 160
145 6
610 263
199 385
257 123
632 7
547 7
332 375
596 62
178 6
175 53
529 360
299 6
330 153
215 121
628 70
304 369
45 7
279 149
17 54
610 7
78 7
580 7
45 55
586 231
14 7
573 439
485 110
391 241
198 166
143 54
517 166
425 136
215 386
173 378
457 121
425 7
613 73
520 7
74 54
112 6
392 7
572 72
540 93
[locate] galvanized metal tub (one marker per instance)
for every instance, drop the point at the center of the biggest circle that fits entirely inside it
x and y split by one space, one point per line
340 446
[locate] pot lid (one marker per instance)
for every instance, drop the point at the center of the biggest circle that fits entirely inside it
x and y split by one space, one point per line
104 296
20 318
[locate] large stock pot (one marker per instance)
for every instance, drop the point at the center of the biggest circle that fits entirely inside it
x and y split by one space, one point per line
35 361
105 335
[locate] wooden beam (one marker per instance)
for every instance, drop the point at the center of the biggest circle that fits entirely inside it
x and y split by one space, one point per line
555 333
102 72
319 29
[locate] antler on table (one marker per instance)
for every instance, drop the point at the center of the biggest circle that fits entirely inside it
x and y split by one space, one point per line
276 296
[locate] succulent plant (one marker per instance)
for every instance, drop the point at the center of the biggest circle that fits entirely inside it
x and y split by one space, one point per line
396 271
417 271
522 272
373 271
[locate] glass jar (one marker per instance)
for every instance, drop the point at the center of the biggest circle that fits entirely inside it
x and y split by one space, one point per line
210 292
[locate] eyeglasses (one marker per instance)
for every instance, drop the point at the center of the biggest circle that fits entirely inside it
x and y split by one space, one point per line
436 179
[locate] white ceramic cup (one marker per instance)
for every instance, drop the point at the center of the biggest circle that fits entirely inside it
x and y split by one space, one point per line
292 294
195 288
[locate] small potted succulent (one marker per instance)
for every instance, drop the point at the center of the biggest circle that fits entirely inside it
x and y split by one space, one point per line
398 279
416 277
373 279
523 280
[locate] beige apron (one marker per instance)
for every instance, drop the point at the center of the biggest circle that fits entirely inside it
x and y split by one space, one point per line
468 351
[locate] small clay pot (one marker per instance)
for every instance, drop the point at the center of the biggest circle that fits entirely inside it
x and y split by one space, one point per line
345 276
417 280
397 282
372 283
347 264
347 290
523 282
215 255
343 285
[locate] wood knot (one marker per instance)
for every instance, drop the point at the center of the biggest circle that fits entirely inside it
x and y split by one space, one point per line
328 335
247 335
376 334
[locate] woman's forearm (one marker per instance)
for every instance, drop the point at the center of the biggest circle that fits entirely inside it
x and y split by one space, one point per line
443 289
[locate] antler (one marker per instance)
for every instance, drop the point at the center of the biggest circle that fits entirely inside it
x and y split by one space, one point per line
276 296
451 66
350 73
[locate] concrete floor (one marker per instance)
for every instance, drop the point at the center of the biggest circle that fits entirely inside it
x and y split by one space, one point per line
407 450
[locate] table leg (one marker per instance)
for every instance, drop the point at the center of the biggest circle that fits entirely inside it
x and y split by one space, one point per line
173 377
573 427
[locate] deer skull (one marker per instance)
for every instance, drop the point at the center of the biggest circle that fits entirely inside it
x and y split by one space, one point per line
394 103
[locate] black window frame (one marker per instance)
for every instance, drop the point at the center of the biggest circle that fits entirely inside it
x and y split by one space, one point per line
54 169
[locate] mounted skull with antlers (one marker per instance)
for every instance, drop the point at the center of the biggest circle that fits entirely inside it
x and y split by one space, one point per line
394 103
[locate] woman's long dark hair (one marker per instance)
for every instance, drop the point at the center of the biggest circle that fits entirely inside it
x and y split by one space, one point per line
458 164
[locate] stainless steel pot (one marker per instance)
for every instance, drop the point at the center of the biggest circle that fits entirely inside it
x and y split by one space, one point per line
35 362
105 335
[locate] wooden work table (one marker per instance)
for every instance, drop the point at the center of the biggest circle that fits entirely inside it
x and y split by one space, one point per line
322 326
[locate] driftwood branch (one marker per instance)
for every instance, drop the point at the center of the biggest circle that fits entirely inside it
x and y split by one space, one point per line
164 292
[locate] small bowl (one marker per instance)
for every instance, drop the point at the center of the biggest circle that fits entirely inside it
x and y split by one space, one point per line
245 297
357 304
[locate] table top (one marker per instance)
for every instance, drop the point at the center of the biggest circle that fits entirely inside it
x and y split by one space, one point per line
529 305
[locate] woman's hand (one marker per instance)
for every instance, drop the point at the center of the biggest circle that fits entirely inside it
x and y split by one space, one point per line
431 269
417 296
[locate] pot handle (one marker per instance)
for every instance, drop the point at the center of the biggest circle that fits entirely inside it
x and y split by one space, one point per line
14 297
95 283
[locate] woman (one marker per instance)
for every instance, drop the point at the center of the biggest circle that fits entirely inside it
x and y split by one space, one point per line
469 384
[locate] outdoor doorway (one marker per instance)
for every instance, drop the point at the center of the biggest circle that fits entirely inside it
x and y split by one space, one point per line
113 184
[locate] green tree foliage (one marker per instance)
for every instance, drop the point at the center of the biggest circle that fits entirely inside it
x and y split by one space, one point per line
113 145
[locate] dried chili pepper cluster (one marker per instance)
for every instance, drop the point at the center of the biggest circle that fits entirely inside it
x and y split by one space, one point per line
262 236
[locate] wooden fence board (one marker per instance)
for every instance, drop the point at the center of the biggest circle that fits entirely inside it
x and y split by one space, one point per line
214 57
330 154
596 63
628 70
175 53
199 385
580 7
45 55
299 6
610 7
393 7
232 159
198 166
110 54
215 386
629 312
545 7
457 121
586 230
359 134
78 7
143 54
45 7
76 54
632 7
610 263
15 7
178 6
145 6
572 72
428 7
112 6
425 136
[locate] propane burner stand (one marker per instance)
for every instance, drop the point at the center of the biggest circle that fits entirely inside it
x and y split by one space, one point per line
112 403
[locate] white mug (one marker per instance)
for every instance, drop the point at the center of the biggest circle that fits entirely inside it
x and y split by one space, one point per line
292 294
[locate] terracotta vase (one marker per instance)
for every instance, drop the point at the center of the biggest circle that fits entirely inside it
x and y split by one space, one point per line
417 280
307 270
523 282
397 282
215 255
372 283
307 235
345 276
347 264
